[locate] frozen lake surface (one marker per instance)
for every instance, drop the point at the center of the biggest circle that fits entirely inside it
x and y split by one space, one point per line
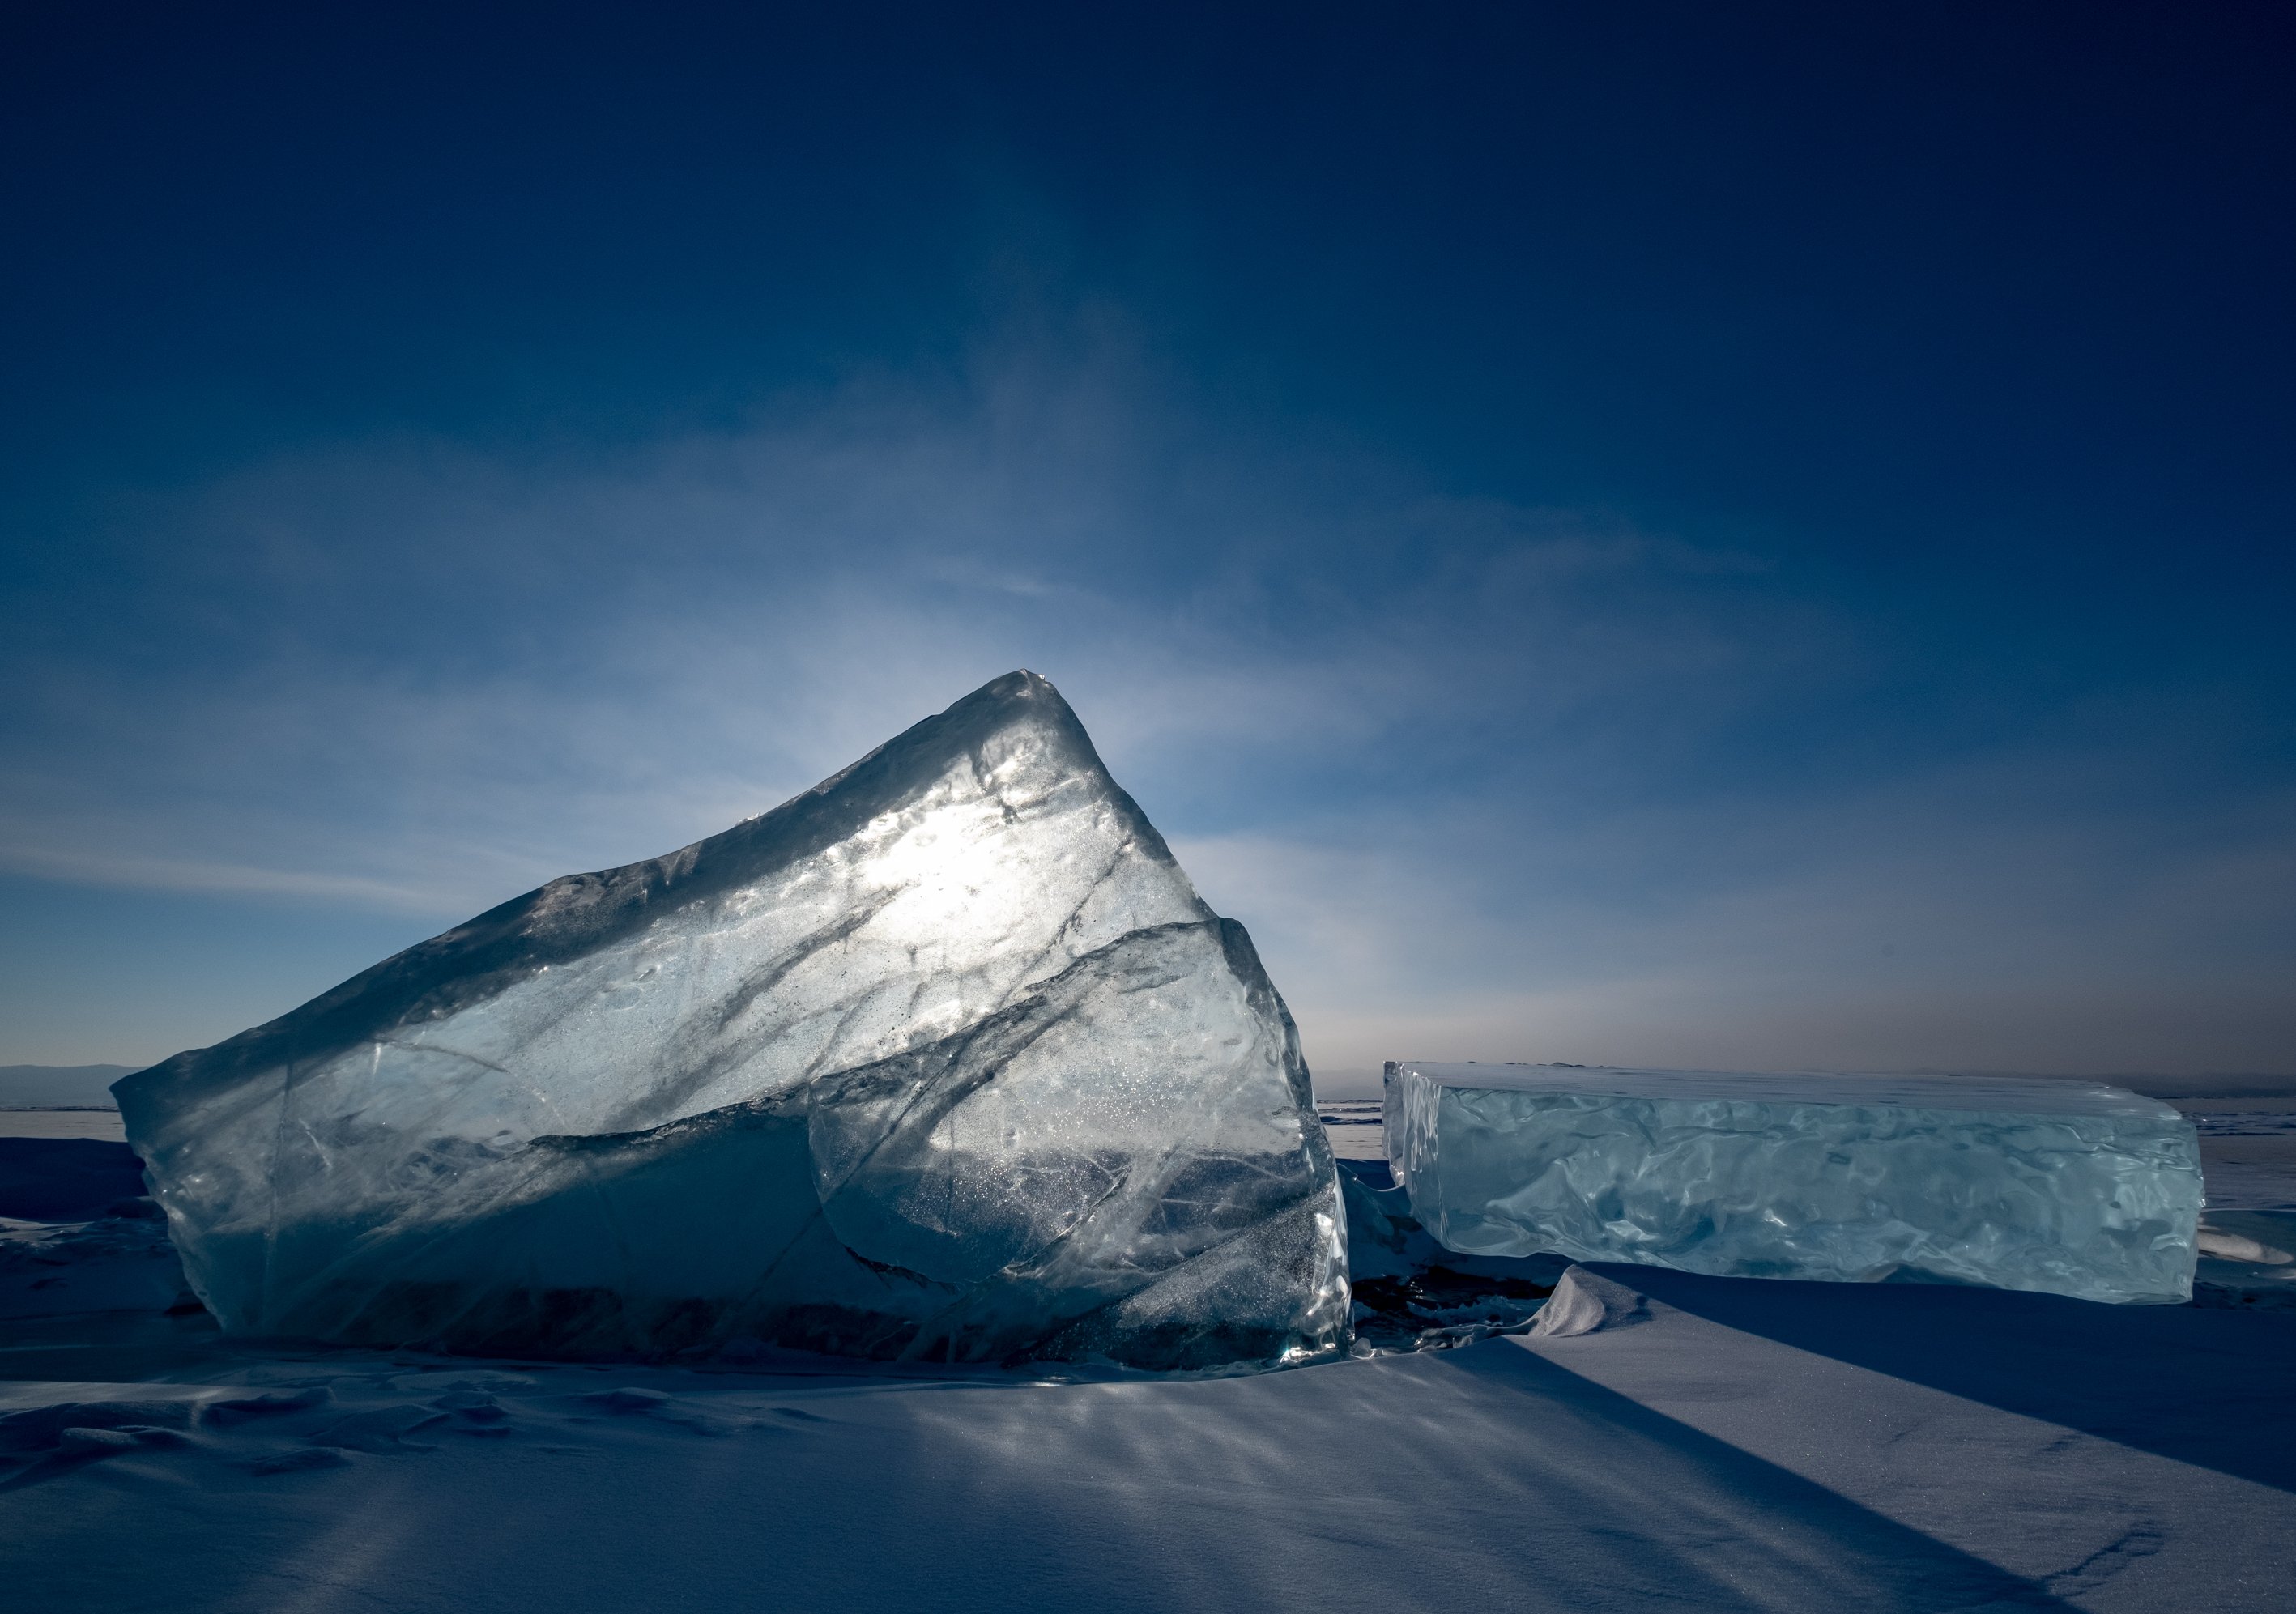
1739 1445
1726 1444
100 1123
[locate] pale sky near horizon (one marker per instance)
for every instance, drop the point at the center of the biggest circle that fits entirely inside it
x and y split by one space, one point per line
1644 534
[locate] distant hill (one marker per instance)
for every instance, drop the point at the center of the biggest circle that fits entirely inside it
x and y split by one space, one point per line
46 1086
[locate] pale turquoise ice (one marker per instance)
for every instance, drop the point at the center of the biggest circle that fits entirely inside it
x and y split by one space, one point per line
944 1059
2068 1187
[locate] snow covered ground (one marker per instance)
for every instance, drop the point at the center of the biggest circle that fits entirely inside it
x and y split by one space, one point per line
1353 1127
1746 1445
100 1123
1726 1444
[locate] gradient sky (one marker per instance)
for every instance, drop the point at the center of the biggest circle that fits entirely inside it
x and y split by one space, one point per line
1714 535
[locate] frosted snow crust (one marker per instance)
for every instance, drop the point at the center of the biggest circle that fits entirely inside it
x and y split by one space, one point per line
2072 1188
943 1059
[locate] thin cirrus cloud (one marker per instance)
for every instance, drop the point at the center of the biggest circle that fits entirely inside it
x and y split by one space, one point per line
1484 779
130 873
2007 914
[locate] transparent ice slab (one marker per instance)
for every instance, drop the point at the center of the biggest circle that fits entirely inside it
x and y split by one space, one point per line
943 1059
2068 1187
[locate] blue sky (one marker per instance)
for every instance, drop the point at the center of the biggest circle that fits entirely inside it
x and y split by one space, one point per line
1649 533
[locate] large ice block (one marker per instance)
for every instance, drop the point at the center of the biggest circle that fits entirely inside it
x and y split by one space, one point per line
944 1059
2071 1187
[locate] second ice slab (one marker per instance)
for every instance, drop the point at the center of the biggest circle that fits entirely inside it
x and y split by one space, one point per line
2068 1187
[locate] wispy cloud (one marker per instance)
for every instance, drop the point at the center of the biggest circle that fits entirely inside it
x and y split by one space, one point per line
137 873
1520 780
